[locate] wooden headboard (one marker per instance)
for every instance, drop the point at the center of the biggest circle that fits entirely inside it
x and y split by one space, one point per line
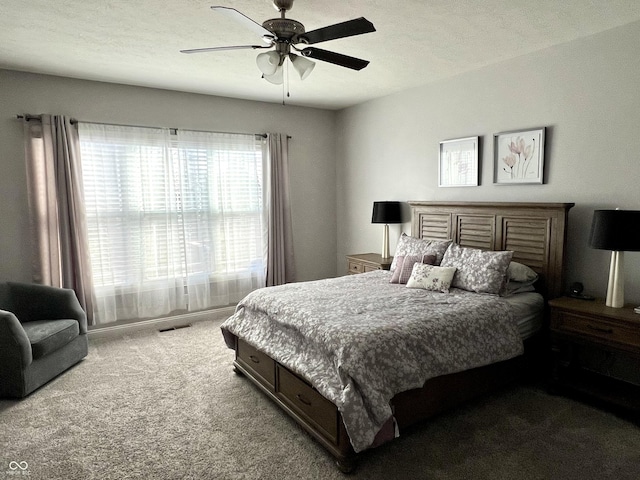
535 232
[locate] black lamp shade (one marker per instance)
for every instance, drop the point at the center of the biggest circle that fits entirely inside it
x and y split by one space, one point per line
616 230
386 212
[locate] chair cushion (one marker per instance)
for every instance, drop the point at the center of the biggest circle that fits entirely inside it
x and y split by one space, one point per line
47 336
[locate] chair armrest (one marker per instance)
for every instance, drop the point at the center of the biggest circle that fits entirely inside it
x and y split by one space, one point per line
14 342
42 302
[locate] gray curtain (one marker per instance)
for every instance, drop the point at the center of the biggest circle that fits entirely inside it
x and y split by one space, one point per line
54 176
280 260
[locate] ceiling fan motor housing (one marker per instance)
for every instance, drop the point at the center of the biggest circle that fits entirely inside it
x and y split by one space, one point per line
284 28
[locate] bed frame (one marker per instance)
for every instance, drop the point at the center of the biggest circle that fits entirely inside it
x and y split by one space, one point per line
535 232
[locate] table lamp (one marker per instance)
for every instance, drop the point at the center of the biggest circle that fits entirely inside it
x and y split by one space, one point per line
618 231
386 212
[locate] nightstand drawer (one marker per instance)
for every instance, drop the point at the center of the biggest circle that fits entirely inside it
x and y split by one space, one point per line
367 262
355 267
582 332
597 328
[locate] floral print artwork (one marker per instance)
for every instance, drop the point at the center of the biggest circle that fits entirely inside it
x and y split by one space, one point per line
518 162
519 157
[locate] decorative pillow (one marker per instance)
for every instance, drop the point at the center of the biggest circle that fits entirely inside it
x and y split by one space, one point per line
480 271
405 265
518 272
417 246
431 277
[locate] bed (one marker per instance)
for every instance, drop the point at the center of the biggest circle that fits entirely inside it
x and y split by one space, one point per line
311 347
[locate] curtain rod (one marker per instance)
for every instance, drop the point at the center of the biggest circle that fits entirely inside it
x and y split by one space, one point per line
28 116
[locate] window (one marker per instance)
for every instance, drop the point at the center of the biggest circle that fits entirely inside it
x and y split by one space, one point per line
175 219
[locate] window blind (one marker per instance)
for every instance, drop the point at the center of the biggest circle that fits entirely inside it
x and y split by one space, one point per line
175 221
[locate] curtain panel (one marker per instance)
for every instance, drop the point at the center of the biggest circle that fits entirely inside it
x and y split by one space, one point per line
54 183
175 219
280 255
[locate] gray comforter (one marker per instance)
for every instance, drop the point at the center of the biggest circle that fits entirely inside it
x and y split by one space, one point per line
359 340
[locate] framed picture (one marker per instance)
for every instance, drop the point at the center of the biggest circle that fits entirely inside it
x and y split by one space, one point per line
518 157
458 165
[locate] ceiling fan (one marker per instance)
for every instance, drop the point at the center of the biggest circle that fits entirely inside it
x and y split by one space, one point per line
285 34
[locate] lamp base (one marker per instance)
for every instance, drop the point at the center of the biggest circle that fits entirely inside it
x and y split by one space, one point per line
615 289
385 242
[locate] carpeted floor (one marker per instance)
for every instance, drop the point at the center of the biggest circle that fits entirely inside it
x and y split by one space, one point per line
153 405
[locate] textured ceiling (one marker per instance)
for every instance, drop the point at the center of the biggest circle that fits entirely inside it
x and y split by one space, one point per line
137 42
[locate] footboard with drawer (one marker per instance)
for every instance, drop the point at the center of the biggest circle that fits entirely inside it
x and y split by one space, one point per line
317 415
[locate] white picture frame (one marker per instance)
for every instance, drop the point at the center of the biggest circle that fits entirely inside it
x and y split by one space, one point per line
458 162
518 157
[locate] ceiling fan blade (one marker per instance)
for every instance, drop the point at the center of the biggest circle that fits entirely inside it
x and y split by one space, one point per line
349 28
213 49
335 58
244 20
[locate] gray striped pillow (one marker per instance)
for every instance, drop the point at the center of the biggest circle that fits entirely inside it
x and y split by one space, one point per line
404 266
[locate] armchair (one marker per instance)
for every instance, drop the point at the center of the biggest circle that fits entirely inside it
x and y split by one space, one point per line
43 332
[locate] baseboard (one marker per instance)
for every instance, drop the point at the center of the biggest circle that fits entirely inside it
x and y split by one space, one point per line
160 323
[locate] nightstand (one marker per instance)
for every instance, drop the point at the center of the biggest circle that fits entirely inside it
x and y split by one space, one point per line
578 325
367 262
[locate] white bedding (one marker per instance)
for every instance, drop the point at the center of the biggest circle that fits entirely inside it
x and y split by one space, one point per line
528 312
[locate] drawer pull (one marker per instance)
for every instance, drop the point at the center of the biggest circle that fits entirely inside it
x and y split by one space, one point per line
254 359
601 330
303 399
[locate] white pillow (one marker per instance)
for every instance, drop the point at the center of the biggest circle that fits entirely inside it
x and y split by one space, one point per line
518 272
431 277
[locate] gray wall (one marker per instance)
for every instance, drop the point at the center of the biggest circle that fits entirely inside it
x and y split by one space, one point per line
585 93
312 153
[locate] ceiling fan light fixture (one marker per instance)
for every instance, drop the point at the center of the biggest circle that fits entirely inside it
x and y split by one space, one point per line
277 78
268 62
303 66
